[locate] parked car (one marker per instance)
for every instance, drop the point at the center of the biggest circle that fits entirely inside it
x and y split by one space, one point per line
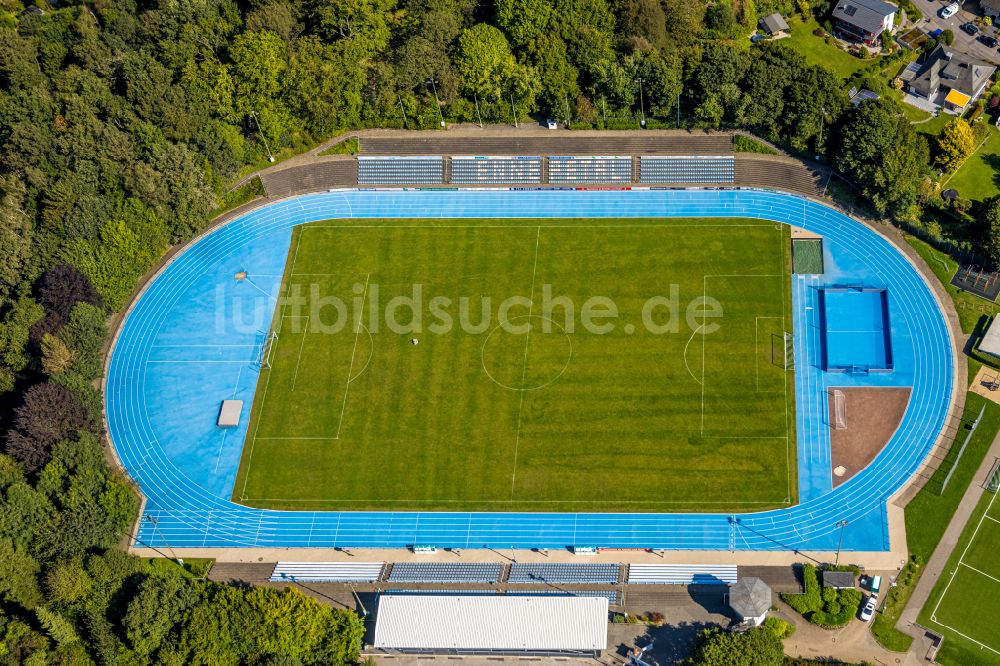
970 28
988 40
875 584
950 10
869 610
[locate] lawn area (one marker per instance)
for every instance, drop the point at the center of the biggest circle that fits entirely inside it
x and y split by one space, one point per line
932 128
544 408
817 52
977 179
965 603
970 308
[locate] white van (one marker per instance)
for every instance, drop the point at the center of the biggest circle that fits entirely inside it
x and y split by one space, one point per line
950 10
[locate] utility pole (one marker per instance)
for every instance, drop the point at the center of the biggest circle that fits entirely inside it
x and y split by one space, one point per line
566 99
513 110
841 524
679 108
437 102
402 109
270 155
642 109
604 110
478 115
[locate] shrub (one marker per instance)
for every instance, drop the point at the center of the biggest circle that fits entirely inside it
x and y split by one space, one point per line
780 628
948 37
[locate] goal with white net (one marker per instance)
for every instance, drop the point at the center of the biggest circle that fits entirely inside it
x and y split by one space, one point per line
839 410
266 349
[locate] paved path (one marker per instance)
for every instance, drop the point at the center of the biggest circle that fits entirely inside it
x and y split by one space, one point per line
934 567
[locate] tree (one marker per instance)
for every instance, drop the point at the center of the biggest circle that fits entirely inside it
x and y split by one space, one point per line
487 67
58 627
758 646
49 413
61 287
56 356
991 217
956 143
16 233
524 20
881 152
642 18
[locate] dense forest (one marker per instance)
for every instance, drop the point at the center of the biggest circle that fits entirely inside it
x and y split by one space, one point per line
123 122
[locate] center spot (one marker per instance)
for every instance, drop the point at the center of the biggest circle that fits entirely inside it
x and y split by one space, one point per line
527 360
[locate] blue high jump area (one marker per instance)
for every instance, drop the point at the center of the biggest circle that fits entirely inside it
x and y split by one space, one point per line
179 353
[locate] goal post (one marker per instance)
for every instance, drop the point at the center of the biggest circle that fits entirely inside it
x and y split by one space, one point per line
839 410
266 350
789 351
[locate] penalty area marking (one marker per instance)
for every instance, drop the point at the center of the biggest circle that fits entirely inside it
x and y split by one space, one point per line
954 573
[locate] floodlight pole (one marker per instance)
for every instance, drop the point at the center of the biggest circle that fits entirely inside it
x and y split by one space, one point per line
642 110
437 102
156 526
479 115
841 524
604 110
400 98
270 155
513 110
566 100
679 108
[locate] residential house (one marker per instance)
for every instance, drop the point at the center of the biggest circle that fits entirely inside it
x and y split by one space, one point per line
773 24
950 79
863 20
990 8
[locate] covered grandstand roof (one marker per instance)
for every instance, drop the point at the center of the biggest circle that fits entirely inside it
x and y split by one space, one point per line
500 623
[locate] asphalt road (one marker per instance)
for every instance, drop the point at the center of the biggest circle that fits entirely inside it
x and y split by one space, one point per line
963 43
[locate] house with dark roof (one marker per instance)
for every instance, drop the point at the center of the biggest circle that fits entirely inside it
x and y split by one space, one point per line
863 20
773 24
950 79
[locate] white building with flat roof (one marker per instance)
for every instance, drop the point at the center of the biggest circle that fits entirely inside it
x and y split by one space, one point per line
549 624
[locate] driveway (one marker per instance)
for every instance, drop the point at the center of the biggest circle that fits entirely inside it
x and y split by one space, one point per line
963 43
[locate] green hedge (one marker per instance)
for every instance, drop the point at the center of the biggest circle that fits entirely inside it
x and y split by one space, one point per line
826 607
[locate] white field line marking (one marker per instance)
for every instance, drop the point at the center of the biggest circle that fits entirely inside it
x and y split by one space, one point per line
951 580
786 267
350 368
298 360
981 573
524 363
267 382
704 299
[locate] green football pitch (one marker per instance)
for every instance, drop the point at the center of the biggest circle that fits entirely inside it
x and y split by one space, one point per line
528 365
966 602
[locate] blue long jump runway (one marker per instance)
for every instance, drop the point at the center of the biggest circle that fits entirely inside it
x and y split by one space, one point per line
172 363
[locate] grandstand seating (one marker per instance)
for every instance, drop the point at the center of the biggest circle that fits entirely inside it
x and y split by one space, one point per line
361 572
400 170
496 170
445 572
610 595
464 593
681 574
687 169
564 573
569 169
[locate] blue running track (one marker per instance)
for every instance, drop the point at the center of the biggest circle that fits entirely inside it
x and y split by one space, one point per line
177 356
